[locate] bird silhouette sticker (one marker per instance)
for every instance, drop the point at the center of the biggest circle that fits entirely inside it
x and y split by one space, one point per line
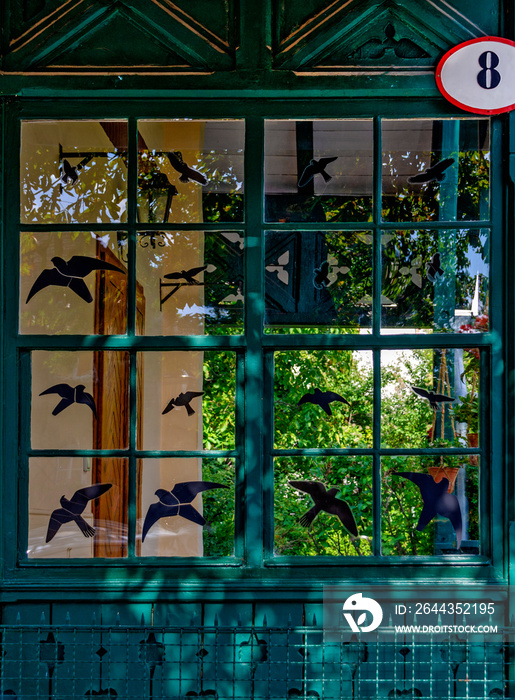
435 172
437 501
187 173
316 167
71 510
187 275
325 500
178 502
323 399
70 274
434 268
70 395
183 400
434 399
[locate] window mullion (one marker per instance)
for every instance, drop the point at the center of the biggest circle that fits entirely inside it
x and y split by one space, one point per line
376 331
377 204
254 411
132 177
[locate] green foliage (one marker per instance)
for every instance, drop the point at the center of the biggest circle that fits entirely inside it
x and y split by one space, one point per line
218 402
402 504
406 421
218 508
327 535
300 372
405 418
468 412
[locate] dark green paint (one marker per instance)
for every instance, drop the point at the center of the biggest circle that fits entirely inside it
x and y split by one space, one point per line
253 81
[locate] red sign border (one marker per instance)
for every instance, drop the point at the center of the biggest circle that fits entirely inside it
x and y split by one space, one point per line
451 99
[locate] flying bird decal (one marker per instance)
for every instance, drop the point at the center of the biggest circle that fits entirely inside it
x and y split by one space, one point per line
437 501
187 173
70 395
434 399
71 510
177 502
188 275
316 167
325 500
70 274
183 400
435 172
323 399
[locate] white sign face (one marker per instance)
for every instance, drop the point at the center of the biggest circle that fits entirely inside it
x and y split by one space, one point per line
479 75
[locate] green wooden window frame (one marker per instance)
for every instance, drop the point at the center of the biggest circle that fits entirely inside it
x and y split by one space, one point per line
254 450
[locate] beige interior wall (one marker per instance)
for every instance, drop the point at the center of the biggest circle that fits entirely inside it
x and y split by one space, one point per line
163 378
166 375
51 478
104 179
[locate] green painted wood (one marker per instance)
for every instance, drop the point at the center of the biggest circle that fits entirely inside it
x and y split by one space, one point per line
353 34
91 36
254 345
254 91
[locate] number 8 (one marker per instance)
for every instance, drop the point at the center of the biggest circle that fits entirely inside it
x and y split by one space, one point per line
488 78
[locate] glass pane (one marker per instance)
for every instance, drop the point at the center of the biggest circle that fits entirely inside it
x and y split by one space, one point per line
430 398
188 400
72 283
77 507
436 169
80 400
435 280
455 517
190 171
187 508
318 279
192 282
323 398
318 170
299 486
73 172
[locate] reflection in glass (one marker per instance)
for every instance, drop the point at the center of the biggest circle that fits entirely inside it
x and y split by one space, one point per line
326 535
430 398
99 526
318 279
403 503
341 418
188 400
435 280
318 170
79 400
190 171
204 524
436 169
72 283
73 172
193 282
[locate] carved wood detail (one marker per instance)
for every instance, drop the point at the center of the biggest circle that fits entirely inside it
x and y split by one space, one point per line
94 36
353 33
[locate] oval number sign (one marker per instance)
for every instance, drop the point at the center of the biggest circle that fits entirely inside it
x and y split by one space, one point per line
479 75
